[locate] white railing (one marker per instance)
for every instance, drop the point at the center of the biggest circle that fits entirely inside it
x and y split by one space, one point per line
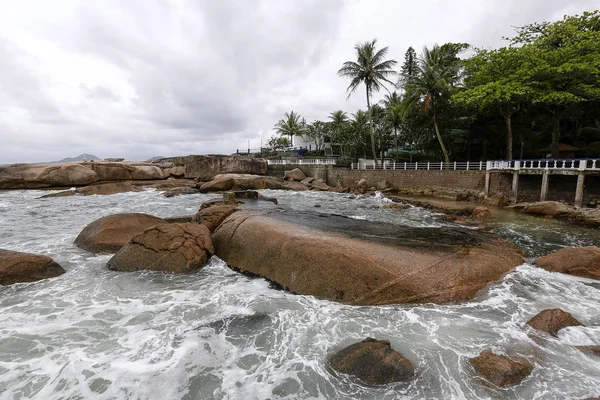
430 166
308 161
545 165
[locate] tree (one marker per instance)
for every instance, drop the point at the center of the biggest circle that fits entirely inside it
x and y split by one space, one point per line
562 65
395 115
409 68
495 82
278 143
438 71
316 131
337 120
371 69
291 125
390 99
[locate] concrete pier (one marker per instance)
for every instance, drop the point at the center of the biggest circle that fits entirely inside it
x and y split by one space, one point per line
545 181
579 190
515 188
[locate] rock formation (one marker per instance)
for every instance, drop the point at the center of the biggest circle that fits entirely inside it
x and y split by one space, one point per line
501 370
212 215
578 261
552 321
17 267
108 234
373 362
360 262
176 248
226 182
294 175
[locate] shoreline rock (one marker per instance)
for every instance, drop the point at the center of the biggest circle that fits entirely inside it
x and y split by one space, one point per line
578 261
553 320
18 267
500 370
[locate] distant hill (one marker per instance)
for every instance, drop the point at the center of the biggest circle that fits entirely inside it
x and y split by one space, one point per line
155 158
81 157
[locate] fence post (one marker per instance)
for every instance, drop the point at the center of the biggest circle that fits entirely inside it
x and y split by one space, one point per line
405 165
427 165
480 165
467 165
455 165
394 165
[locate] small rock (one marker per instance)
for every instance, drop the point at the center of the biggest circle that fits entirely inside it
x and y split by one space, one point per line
294 175
593 350
317 206
180 191
372 361
307 181
362 183
481 212
320 185
501 370
396 206
17 267
177 248
108 189
552 321
578 261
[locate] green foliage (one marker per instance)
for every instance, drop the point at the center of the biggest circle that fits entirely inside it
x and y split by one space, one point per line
278 143
290 125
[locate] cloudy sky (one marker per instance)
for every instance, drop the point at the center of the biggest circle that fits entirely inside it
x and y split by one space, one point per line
141 78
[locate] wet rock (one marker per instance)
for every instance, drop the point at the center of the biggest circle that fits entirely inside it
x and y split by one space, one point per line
593 350
578 261
224 182
307 181
373 362
180 220
64 193
367 263
213 216
108 234
295 186
501 370
337 189
180 191
108 189
176 248
17 267
481 212
294 175
396 206
362 183
30 176
553 208
553 320
320 185
267 198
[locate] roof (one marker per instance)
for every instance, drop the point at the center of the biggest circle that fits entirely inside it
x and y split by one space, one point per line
562 147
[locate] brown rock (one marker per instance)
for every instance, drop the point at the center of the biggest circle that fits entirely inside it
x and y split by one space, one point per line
180 191
552 321
64 193
320 185
122 171
213 216
553 208
480 212
396 206
501 370
416 268
16 267
362 183
593 350
108 189
373 362
224 182
295 186
108 234
177 248
578 261
307 181
29 176
294 175
206 167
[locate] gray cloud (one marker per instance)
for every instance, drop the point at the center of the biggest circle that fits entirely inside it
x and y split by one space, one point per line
164 77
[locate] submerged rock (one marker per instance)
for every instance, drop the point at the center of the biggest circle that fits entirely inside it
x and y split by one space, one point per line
578 261
180 191
501 370
108 234
373 362
552 321
553 208
108 189
294 175
177 248
361 262
17 267
593 350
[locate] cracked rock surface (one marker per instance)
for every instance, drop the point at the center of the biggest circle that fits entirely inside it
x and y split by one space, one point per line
176 248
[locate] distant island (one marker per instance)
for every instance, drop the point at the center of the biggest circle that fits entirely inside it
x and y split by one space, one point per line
81 157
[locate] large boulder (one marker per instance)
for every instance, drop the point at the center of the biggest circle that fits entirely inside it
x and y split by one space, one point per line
214 214
226 182
553 320
176 248
320 185
29 176
180 191
119 171
373 361
361 262
16 267
553 208
501 370
579 261
294 175
108 234
107 189
206 167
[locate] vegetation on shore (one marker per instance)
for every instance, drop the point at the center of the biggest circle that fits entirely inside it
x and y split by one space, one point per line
458 102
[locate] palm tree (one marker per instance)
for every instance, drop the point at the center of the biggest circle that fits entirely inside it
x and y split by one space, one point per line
390 100
290 125
338 119
437 72
373 70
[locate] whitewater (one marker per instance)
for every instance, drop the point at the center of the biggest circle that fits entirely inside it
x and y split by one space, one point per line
216 334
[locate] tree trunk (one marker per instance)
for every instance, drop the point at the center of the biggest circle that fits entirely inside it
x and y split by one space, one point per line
396 144
371 127
437 132
509 137
555 137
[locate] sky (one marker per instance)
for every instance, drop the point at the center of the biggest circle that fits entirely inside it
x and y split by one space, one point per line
143 78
